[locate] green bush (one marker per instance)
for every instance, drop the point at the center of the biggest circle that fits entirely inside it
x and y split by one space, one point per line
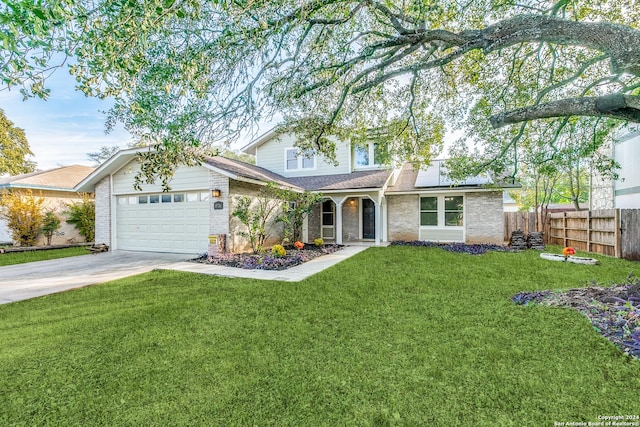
83 216
50 224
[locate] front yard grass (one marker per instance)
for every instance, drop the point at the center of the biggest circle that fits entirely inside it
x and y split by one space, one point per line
393 336
11 258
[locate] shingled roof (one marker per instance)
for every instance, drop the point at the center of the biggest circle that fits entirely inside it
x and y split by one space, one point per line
356 180
247 170
60 179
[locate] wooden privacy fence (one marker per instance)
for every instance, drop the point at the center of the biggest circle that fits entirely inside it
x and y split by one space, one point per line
591 231
614 232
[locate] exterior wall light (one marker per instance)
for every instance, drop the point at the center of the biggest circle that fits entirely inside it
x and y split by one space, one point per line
216 193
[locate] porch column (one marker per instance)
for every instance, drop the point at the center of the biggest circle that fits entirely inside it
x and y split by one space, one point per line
378 202
385 222
339 201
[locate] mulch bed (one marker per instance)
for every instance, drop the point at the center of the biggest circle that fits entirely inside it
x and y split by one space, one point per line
268 261
613 311
462 248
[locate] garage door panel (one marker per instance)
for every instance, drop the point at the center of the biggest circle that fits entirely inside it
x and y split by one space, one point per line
163 227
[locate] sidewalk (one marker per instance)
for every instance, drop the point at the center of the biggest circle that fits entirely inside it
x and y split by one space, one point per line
293 274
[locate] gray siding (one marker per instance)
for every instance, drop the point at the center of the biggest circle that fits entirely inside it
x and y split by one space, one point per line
185 178
484 217
271 155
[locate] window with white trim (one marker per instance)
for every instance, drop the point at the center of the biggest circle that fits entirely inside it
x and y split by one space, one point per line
442 211
296 160
368 155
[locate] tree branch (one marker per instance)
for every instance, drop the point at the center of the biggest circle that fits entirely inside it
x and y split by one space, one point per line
618 106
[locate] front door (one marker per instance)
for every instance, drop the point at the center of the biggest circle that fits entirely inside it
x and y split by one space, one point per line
368 219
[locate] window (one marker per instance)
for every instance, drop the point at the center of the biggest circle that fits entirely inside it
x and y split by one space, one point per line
178 198
368 155
295 160
122 200
442 211
166 198
429 211
143 199
154 198
453 208
192 197
133 200
204 195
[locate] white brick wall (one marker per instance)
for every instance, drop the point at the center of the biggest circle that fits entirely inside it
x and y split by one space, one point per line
484 217
103 211
403 212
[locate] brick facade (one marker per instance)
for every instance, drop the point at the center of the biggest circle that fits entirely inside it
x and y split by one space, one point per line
403 215
236 242
484 217
103 211
351 219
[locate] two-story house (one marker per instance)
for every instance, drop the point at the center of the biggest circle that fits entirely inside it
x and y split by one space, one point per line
363 200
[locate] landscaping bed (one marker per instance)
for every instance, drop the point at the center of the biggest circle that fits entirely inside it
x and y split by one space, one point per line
473 249
270 261
613 311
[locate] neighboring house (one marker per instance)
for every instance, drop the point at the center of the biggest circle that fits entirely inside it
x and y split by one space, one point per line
56 186
624 192
362 200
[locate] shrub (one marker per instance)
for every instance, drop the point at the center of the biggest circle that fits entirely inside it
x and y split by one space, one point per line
50 224
24 215
318 241
83 216
278 250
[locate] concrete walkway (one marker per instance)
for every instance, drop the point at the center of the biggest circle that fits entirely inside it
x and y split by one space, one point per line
293 274
24 281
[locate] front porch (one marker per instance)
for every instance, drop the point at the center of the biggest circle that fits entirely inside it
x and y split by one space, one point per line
352 218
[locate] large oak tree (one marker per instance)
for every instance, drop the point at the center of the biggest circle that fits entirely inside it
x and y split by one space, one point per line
14 149
191 72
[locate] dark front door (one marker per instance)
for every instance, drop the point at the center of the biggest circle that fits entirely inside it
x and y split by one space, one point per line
368 219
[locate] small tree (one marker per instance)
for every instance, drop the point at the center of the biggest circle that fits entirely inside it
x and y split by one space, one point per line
255 213
296 208
50 224
83 216
24 215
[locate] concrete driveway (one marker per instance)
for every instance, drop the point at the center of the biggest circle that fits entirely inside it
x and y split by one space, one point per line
24 281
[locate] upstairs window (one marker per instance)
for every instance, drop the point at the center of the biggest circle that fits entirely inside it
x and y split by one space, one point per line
295 160
368 155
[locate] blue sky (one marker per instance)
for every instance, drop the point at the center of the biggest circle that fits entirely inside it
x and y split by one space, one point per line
65 127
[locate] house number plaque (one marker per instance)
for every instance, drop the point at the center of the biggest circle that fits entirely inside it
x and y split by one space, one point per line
218 205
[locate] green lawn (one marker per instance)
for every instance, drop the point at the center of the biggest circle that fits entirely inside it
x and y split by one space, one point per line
393 336
11 258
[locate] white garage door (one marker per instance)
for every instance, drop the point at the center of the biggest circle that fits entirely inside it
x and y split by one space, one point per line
164 222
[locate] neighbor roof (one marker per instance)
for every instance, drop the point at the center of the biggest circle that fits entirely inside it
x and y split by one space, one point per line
64 178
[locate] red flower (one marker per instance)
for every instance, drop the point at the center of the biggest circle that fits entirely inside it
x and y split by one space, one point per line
298 245
568 251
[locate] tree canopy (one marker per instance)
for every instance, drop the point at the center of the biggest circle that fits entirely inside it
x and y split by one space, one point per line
14 149
193 72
